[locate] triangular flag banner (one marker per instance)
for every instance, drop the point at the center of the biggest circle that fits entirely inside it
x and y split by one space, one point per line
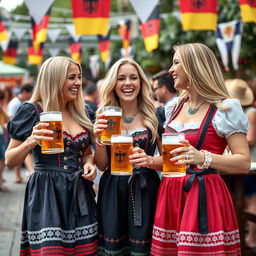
3 32
35 57
4 44
229 42
39 31
75 50
144 10
248 10
94 65
53 51
91 17
108 62
104 47
199 14
9 56
150 30
37 9
125 31
127 53
53 34
19 32
71 30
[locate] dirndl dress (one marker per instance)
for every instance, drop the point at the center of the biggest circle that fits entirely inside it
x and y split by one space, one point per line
59 216
195 214
126 206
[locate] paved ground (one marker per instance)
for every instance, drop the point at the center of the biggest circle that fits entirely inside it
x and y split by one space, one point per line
11 206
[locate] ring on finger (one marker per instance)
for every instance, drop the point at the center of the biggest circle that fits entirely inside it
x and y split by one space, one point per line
187 157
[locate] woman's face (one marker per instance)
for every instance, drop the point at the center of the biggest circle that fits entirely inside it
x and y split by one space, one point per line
180 78
72 83
128 82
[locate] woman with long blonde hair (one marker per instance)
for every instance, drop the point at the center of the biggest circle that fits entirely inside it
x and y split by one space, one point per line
59 216
126 204
195 213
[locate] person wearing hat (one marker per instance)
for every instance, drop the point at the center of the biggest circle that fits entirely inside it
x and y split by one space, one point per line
239 89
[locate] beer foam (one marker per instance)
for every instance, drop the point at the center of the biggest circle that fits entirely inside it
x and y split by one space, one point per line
50 117
112 113
121 139
168 140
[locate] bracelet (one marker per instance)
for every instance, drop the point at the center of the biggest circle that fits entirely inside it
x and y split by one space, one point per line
207 160
99 143
28 145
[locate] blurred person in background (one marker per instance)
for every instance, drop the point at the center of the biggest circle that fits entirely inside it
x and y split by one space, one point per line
239 89
4 118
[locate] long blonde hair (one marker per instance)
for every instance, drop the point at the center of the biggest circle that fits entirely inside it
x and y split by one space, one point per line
48 89
204 73
108 96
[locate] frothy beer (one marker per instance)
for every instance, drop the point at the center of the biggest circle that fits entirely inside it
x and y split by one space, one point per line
170 141
114 117
121 148
54 119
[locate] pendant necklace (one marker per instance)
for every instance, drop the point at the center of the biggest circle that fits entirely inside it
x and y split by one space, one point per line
129 119
192 110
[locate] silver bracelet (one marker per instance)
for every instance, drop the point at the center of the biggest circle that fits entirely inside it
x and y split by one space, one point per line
207 160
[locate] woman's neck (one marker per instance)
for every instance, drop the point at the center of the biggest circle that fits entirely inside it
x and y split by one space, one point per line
129 108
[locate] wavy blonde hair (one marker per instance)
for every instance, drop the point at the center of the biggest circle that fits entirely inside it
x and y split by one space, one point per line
203 72
108 96
49 85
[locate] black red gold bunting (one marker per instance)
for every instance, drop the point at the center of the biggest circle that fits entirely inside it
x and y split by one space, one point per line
124 32
3 32
10 54
91 17
104 47
35 57
75 50
248 10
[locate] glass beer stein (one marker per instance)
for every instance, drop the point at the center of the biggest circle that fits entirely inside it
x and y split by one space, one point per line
121 148
170 141
114 117
56 145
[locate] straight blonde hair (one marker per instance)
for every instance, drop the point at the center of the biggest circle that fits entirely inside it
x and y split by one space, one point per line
49 85
108 96
203 72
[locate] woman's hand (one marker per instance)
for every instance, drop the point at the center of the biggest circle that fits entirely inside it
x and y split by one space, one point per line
139 158
36 137
90 172
187 155
99 125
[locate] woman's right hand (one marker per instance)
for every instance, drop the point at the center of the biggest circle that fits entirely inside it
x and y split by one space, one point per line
36 136
99 125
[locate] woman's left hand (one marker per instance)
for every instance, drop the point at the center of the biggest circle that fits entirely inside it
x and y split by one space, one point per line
139 158
187 154
90 172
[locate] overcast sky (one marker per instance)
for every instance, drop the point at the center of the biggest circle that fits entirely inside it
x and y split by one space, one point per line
10 4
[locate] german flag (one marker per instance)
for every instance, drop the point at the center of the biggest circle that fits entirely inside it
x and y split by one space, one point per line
248 10
150 30
198 14
3 33
125 31
35 57
39 31
91 17
10 54
104 47
75 50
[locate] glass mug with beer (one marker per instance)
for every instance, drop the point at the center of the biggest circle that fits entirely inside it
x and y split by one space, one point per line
54 119
170 141
121 149
114 116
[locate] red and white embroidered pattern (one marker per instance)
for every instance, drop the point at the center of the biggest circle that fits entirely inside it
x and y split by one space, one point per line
196 239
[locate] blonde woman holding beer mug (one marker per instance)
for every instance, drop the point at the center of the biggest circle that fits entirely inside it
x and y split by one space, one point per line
59 216
195 213
126 204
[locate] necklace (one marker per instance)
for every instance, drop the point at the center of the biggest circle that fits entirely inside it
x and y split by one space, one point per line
192 110
129 119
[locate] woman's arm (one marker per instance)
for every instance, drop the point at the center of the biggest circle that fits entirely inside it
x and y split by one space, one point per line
90 172
251 135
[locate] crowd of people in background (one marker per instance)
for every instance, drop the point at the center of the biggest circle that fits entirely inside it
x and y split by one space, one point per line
155 107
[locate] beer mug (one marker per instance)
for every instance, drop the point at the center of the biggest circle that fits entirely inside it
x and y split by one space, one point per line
170 141
114 117
121 149
54 119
